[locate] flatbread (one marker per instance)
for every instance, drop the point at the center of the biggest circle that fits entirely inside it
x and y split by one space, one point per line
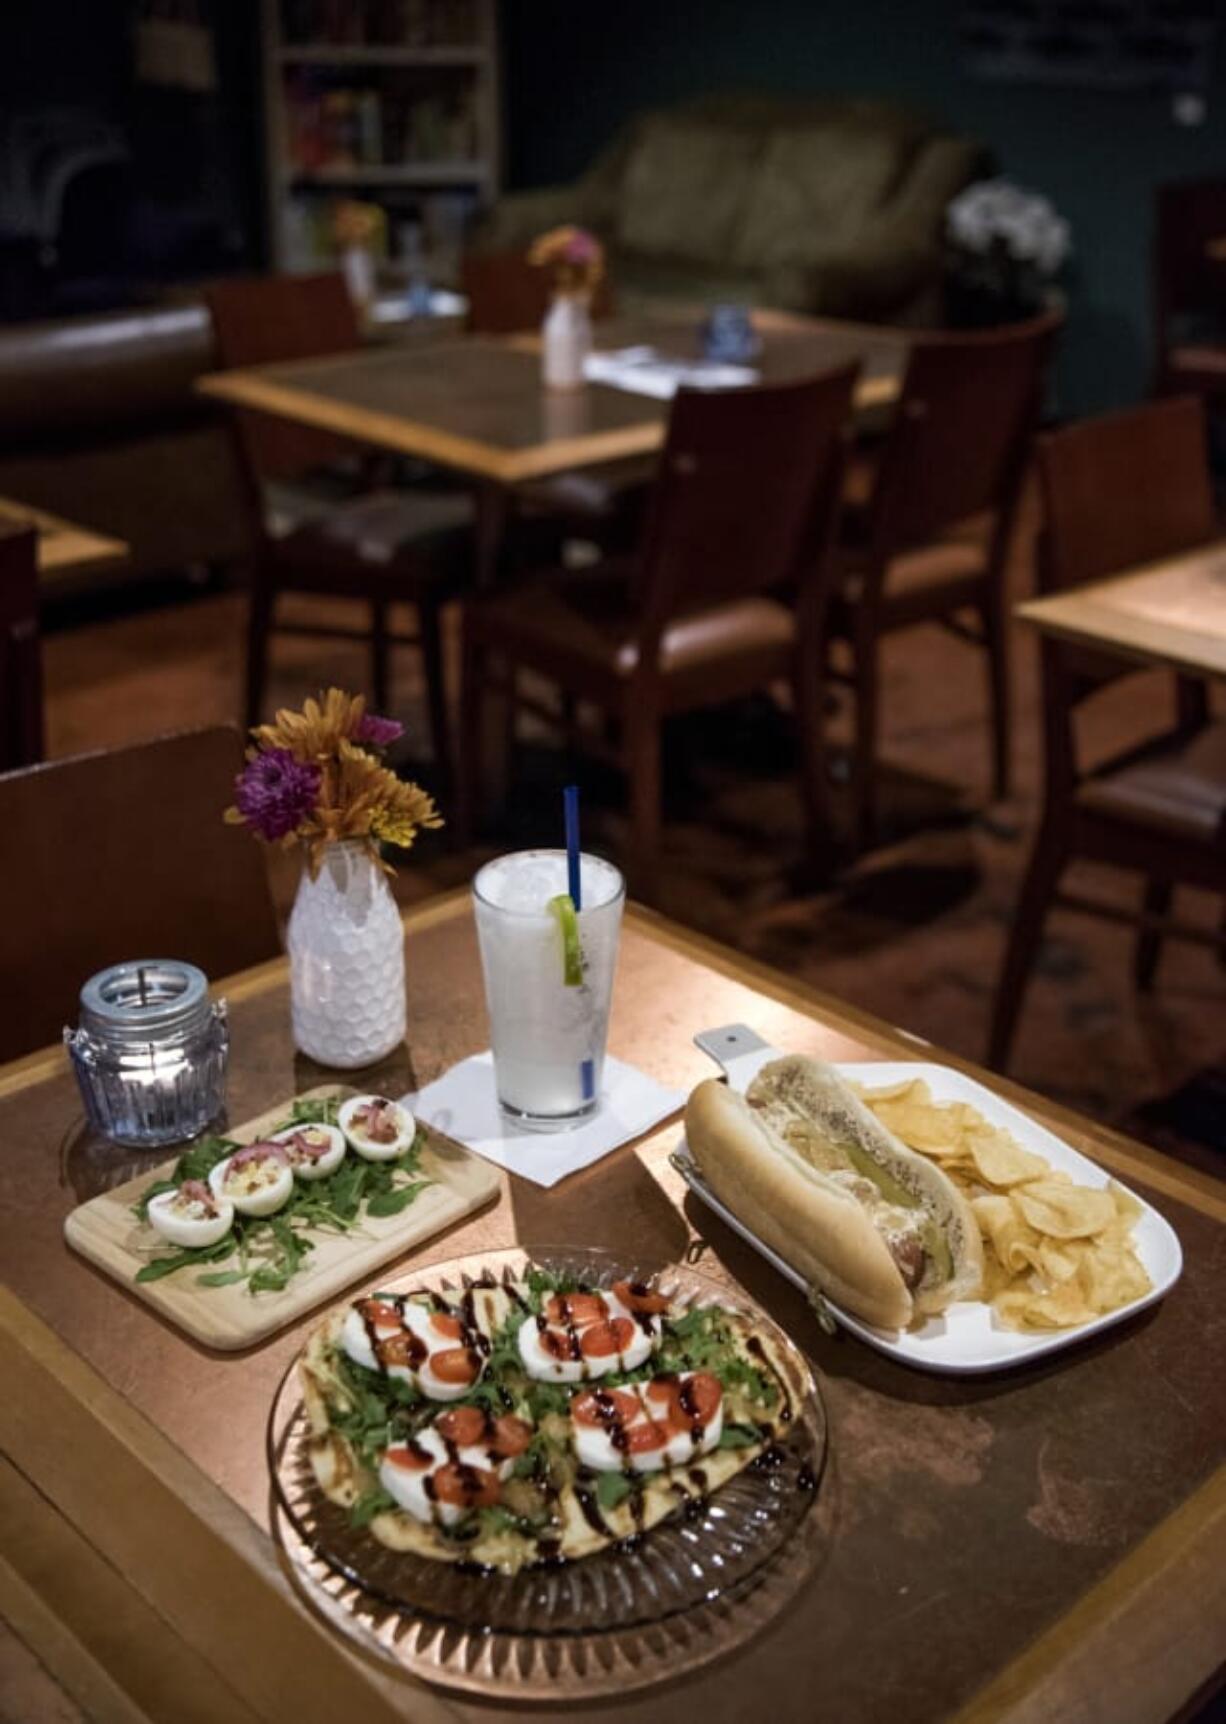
579 1524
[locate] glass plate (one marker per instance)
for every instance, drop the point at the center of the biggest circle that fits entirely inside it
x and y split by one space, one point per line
696 1585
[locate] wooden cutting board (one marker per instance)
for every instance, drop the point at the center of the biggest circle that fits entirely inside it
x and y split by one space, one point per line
229 1318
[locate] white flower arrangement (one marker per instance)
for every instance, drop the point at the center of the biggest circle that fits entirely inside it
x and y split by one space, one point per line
996 215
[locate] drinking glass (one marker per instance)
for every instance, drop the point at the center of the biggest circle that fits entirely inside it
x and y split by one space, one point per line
547 1036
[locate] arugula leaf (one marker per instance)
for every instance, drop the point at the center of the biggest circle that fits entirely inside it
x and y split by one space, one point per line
157 1267
392 1202
222 1278
368 1505
612 1488
738 1437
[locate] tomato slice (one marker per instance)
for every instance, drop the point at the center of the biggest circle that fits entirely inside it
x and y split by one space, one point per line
558 1344
455 1365
461 1425
598 1340
511 1435
699 1396
647 1435
575 1309
402 1349
601 1407
466 1487
444 1324
380 1313
637 1296
401 1455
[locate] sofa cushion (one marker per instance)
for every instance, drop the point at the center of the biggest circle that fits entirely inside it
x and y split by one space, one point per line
814 185
684 189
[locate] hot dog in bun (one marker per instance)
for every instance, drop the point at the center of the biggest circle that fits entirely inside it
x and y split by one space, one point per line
882 1231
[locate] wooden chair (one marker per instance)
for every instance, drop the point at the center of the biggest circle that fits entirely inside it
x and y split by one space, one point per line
1189 289
509 296
21 663
744 504
930 543
1119 491
383 547
117 855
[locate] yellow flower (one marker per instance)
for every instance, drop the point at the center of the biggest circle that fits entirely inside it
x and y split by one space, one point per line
318 730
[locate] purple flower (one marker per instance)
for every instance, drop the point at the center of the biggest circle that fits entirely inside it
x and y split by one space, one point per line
377 732
275 792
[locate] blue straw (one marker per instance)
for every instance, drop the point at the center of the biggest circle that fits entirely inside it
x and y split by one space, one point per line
570 811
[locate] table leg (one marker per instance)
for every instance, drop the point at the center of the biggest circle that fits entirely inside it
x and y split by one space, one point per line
492 505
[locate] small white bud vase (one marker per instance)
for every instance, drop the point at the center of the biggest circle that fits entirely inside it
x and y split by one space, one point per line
566 341
346 953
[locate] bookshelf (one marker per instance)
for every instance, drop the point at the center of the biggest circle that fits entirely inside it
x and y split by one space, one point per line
395 102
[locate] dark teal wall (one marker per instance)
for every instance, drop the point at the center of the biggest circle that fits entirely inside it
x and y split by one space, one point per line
576 68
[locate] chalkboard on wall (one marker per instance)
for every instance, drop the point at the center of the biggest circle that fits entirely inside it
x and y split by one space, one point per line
1107 44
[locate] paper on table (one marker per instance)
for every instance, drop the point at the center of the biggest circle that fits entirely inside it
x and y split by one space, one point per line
646 371
463 1104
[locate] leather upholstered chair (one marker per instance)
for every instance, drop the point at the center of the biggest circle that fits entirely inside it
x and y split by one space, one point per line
743 506
1120 491
120 855
930 542
382 547
21 665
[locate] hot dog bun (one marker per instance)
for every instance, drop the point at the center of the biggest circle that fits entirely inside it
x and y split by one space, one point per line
802 1162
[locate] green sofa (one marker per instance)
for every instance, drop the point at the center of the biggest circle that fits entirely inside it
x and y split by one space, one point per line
826 205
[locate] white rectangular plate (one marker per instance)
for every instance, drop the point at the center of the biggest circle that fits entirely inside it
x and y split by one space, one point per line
967 1339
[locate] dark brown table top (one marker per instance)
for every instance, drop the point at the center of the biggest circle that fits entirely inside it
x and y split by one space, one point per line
476 403
1009 1545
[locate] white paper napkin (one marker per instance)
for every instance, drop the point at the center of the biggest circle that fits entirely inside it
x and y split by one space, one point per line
644 371
463 1104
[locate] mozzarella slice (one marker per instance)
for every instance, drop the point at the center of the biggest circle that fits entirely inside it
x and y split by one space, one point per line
540 1363
411 1319
327 1141
407 1468
356 1130
191 1217
599 1448
256 1185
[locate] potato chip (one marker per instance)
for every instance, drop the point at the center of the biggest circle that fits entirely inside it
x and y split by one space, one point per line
1063 1211
909 1111
1016 1245
1059 1308
999 1160
1111 1276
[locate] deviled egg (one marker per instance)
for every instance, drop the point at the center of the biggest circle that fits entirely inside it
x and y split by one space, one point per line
378 1129
314 1151
258 1180
191 1214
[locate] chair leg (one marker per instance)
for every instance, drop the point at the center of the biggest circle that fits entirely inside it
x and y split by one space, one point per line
436 689
379 653
643 766
996 639
471 766
1046 865
260 609
1156 902
810 697
864 749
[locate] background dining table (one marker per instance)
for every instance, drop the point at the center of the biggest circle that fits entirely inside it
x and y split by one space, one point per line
475 404
1171 612
63 547
1044 1543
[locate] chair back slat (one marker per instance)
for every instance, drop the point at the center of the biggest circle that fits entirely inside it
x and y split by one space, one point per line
122 855
744 493
21 663
968 407
508 295
262 320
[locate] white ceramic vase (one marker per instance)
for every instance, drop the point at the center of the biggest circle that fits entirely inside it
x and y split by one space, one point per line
566 341
346 952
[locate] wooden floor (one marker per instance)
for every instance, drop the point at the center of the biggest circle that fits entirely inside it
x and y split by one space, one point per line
915 932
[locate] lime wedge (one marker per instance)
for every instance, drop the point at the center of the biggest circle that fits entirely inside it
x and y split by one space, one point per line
562 909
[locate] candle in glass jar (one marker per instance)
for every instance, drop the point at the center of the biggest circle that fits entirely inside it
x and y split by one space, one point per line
150 1052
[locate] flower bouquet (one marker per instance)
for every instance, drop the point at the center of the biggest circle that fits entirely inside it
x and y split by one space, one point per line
317 779
576 260
1005 248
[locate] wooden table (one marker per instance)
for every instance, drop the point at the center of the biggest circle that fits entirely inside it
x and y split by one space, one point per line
476 404
1169 613
1048 1544
63 547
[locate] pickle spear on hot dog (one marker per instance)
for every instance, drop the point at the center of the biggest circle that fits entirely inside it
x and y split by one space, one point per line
882 1231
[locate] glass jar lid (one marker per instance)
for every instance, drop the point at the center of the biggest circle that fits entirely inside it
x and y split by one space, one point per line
144 1001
